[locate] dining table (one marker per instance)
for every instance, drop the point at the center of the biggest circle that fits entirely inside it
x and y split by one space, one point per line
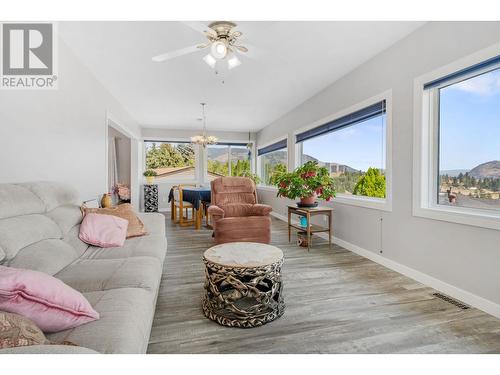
197 196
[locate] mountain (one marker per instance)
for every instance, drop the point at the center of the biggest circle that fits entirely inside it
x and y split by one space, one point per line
453 172
333 167
489 169
220 154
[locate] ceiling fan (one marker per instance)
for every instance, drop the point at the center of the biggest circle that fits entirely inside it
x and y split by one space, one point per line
222 40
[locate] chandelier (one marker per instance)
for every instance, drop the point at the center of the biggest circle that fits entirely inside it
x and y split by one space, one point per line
204 139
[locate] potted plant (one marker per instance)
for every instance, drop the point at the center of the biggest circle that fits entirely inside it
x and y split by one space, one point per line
307 182
150 176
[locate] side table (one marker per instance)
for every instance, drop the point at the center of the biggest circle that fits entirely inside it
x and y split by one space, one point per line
310 228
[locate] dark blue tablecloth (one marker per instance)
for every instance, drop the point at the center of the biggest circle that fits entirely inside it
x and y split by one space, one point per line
193 195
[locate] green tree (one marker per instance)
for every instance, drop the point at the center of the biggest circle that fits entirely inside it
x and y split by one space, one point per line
169 155
371 184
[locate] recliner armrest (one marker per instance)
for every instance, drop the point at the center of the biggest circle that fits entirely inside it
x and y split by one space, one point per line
216 212
260 210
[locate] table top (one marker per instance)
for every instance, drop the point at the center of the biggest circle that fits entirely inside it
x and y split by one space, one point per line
311 209
192 188
243 254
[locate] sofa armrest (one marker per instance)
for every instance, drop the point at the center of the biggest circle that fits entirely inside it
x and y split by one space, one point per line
260 210
48 349
215 212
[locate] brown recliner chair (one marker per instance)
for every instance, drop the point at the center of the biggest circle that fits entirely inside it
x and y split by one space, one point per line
236 216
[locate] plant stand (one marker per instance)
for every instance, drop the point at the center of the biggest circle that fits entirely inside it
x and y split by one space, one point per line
310 228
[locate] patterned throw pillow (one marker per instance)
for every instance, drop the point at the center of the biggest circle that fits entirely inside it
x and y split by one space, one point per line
16 330
125 211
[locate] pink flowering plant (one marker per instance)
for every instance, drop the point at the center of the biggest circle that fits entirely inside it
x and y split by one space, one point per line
306 181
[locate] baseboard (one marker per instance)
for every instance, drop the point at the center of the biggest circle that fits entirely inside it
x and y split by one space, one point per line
478 302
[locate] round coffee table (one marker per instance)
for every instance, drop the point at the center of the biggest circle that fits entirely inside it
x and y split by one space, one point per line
243 286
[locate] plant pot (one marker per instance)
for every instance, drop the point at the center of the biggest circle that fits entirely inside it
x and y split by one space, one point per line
150 180
309 200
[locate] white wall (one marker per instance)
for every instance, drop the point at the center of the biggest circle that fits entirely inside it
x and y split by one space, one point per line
154 134
464 256
59 134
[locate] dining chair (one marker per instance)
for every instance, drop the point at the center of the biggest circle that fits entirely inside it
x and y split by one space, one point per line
183 207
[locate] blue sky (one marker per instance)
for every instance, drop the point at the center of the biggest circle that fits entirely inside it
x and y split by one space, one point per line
470 122
359 146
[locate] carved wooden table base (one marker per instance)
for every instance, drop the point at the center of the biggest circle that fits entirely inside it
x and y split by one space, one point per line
243 297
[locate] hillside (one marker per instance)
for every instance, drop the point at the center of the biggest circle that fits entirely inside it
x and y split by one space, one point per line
334 167
490 169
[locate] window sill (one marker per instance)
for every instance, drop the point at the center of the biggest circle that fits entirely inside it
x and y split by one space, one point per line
366 202
471 217
274 189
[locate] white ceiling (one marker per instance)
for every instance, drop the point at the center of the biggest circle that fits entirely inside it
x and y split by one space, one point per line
292 61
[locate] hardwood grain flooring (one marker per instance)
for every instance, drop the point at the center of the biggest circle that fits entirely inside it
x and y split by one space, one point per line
336 302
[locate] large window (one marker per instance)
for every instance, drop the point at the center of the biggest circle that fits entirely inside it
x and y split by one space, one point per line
457 142
228 159
272 159
353 148
469 141
172 161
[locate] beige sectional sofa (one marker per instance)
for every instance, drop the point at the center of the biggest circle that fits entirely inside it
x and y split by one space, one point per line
39 225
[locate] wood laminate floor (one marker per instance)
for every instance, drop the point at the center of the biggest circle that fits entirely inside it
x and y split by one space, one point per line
336 302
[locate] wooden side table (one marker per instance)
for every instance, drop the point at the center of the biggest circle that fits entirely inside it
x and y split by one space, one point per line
310 228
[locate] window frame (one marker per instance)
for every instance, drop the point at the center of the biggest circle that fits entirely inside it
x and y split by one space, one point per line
383 204
262 185
426 145
193 180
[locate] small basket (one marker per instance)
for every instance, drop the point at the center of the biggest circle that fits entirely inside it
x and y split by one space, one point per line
302 239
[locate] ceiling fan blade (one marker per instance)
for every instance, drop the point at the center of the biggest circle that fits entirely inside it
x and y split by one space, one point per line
241 48
173 54
198 26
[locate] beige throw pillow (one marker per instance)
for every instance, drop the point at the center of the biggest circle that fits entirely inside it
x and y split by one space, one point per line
16 330
125 211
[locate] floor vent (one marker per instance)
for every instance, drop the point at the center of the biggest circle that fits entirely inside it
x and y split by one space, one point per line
455 302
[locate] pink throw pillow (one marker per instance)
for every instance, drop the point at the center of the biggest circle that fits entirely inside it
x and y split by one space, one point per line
48 302
103 230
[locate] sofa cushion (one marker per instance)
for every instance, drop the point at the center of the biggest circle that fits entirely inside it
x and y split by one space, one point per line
154 222
14 234
17 200
48 302
49 256
124 326
66 217
90 275
152 245
53 194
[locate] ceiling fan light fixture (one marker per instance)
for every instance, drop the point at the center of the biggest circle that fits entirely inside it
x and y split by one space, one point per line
210 60
219 49
233 62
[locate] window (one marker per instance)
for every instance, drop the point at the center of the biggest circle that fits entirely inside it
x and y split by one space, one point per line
353 149
172 161
457 143
228 159
469 142
272 159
